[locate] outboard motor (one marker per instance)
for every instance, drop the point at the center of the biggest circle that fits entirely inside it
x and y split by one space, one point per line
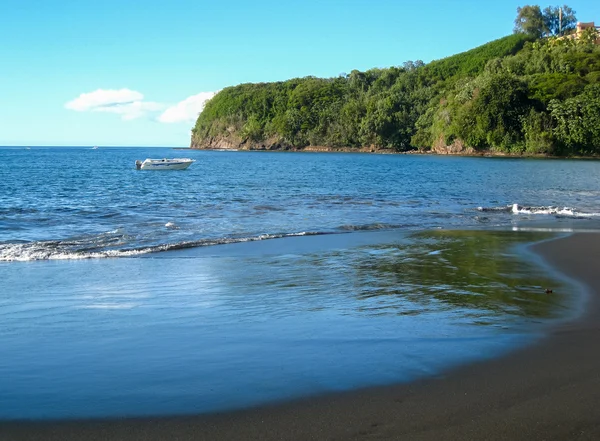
138 164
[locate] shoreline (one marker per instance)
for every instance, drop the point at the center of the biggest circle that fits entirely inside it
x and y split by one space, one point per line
383 151
550 390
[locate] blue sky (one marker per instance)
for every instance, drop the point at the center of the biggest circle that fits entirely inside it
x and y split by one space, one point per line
135 73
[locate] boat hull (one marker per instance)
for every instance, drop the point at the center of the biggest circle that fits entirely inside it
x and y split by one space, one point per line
164 164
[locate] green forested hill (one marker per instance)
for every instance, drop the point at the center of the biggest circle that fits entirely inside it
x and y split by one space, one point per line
514 95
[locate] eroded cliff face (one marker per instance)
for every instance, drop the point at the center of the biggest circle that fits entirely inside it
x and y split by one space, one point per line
214 143
234 142
456 148
275 144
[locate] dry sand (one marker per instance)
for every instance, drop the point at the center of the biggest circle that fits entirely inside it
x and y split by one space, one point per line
549 391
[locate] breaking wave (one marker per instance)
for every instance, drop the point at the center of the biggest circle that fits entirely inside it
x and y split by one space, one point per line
369 227
523 209
79 249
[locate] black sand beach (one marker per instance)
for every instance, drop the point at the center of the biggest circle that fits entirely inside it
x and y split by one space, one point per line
549 391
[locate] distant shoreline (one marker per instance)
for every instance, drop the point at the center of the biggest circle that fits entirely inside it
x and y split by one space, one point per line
546 391
321 149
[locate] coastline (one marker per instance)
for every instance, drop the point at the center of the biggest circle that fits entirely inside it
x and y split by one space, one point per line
384 151
546 391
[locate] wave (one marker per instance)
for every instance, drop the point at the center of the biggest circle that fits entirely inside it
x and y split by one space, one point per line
80 249
268 208
369 227
523 209
9 211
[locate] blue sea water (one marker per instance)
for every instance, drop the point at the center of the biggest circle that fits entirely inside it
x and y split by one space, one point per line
75 202
254 277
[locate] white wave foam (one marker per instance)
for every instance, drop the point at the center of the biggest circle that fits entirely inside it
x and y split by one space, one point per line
54 250
541 210
565 211
30 252
506 208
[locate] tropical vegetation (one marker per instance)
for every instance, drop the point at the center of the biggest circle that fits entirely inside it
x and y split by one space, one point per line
534 92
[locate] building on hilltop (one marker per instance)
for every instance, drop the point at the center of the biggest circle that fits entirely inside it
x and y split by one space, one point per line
580 29
583 26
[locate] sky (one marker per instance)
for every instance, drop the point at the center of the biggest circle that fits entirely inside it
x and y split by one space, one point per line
137 73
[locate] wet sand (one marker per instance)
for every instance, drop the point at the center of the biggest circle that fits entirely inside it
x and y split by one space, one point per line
549 391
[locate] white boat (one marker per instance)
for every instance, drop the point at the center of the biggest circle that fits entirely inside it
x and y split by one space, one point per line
164 164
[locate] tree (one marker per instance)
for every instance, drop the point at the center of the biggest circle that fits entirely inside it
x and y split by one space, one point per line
493 117
577 121
589 36
559 20
412 65
530 20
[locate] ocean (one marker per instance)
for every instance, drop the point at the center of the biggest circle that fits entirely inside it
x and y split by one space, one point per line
259 277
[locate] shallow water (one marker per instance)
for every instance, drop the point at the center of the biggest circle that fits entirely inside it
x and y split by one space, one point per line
211 329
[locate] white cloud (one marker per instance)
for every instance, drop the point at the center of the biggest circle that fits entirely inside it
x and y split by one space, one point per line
128 103
103 98
187 110
133 110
